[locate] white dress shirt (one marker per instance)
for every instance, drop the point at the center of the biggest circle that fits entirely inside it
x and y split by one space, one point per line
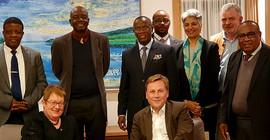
166 38
254 53
19 55
159 130
148 46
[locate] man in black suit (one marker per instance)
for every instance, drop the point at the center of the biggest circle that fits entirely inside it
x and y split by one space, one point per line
161 23
245 112
137 67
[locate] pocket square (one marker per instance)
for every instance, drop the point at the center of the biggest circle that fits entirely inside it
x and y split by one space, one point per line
157 56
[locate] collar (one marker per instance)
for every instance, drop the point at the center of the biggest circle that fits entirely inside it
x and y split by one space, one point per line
82 38
226 39
148 46
158 37
162 110
256 51
8 50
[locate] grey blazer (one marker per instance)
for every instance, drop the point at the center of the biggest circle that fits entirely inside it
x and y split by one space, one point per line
35 84
62 62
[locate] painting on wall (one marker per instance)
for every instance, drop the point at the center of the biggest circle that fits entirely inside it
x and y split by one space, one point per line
46 19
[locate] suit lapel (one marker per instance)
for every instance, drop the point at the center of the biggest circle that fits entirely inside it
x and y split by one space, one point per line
3 66
259 66
27 63
148 123
69 52
150 57
168 116
236 65
94 47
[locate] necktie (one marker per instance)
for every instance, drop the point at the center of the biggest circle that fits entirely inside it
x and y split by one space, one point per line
246 57
162 40
15 79
144 57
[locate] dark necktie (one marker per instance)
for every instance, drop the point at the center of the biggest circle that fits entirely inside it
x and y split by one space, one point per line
144 57
246 57
162 40
16 85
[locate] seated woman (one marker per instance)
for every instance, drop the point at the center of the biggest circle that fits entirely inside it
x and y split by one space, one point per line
49 124
198 64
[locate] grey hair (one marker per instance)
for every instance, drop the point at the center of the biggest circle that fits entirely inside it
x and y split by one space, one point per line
229 6
192 13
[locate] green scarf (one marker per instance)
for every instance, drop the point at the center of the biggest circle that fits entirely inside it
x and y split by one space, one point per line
193 71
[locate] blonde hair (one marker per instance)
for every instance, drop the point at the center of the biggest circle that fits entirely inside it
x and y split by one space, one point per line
157 77
53 89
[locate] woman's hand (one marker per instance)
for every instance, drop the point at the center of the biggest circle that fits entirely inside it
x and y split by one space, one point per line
194 108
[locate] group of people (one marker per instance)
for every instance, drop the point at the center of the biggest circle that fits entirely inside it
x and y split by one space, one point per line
224 82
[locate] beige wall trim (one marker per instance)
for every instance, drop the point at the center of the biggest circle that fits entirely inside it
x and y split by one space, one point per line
176 18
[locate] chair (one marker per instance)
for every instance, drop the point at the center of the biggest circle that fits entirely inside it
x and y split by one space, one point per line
10 132
198 131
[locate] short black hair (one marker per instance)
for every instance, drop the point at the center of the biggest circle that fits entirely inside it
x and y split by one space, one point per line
251 21
14 20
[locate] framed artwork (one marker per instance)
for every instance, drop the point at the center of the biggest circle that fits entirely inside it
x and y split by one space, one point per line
46 19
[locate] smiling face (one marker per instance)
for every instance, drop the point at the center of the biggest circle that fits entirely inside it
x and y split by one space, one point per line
53 112
161 23
142 29
251 43
13 34
230 20
79 19
192 27
157 94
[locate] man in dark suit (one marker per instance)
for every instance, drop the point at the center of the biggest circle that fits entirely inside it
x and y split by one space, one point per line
143 60
22 76
161 119
244 112
161 23
80 60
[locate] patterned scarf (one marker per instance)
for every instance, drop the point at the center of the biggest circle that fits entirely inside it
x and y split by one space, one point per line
193 71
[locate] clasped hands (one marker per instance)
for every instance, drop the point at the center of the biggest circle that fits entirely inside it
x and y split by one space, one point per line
18 106
194 108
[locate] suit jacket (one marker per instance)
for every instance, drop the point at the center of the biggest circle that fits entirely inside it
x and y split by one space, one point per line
35 82
173 40
132 87
208 92
258 94
218 38
179 124
62 62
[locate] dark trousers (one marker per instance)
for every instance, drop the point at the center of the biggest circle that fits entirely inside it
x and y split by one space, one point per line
15 118
89 115
210 121
242 130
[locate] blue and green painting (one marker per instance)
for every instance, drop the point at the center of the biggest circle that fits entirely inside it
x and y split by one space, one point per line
46 19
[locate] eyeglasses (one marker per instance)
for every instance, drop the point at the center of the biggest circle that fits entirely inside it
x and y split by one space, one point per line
52 103
165 21
250 35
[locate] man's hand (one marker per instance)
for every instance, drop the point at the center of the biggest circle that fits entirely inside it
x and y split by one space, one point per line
224 130
194 108
18 106
122 122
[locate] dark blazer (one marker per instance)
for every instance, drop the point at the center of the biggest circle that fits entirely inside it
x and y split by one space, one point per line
132 87
208 92
175 40
258 95
35 82
179 124
62 62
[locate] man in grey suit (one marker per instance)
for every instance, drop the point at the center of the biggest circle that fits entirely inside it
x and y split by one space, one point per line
145 59
162 119
161 23
22 76
80 60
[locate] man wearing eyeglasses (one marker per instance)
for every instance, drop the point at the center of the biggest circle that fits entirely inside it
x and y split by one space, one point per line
161 23
143 60
244 112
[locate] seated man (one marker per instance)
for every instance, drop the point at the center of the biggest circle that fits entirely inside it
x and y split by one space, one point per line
162 119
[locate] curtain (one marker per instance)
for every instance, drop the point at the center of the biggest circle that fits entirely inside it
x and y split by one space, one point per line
252 10
210 10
